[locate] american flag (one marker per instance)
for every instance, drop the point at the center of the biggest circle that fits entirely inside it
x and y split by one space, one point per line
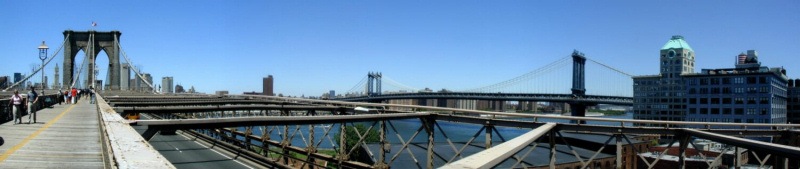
94 24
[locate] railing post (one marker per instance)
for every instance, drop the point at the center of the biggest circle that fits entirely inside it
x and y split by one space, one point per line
551 137
285 143
311 147
382 162
619 151
342 151
684 142
785 162
428 123
737 159
489 128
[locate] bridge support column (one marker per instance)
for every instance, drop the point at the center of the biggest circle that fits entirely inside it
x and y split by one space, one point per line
92 42
374 83
578 110
578 84
441 102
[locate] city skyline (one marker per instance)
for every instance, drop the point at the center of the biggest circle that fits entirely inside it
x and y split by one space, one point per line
315 47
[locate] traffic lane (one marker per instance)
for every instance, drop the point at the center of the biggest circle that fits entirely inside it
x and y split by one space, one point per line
183 152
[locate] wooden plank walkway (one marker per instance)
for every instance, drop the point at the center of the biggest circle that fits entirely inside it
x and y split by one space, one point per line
64 136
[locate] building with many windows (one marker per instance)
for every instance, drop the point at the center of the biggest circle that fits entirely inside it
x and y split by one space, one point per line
793 102
748 93
660 97
167 84
268 86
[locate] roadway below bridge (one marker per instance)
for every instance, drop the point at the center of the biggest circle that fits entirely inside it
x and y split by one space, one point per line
186 151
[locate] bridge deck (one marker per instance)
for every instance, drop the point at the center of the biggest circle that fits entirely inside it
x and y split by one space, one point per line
64 136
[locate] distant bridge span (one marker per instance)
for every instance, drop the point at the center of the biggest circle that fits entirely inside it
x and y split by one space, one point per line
576 96
567 98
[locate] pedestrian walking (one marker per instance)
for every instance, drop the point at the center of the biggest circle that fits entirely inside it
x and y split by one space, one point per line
91 93
16 106
74 95
59 96
67 97
33 98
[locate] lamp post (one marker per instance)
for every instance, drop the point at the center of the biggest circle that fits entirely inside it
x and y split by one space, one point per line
43 55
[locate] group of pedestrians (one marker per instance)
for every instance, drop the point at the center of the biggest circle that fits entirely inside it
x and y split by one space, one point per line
18 101
72 96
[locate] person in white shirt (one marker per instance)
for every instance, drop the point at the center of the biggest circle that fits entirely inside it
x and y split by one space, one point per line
16 105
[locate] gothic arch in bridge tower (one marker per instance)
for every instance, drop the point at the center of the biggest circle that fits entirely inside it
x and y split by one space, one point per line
92 42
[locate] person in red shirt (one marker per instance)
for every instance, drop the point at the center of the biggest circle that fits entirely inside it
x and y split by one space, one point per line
74 94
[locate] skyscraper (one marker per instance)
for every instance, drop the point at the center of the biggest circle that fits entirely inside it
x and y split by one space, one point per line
18 77
56 84
147 79
166 84
267 86
138 83
3 82
125 75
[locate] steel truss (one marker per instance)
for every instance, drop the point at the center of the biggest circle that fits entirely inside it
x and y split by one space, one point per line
284 124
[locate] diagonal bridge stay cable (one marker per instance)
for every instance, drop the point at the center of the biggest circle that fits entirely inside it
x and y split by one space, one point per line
89 50
40 68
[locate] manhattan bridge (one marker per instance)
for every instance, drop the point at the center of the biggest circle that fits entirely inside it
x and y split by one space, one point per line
367 129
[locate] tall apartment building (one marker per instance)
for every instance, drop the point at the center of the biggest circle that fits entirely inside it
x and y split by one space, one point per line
793 102
141 85
125 75
167 85
267 86
56 84
748 93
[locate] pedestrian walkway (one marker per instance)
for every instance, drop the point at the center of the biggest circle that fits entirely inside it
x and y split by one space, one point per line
64 136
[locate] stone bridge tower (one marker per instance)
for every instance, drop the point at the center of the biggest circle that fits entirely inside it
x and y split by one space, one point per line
94 41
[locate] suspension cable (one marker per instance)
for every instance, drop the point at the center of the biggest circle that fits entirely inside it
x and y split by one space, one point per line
89 51
41 68
526 76
133 67
399 85
612 68
358 85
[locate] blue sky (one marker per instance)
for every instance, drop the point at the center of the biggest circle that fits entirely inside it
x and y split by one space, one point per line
311 47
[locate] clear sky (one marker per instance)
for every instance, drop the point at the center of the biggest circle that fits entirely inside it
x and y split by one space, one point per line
311 47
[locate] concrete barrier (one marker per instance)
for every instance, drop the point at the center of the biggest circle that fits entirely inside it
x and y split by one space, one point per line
124 147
